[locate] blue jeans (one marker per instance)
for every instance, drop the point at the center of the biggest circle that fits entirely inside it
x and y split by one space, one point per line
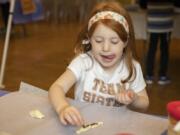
164 39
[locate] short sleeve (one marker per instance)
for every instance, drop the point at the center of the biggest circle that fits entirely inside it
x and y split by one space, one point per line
80 64
138 84
76 66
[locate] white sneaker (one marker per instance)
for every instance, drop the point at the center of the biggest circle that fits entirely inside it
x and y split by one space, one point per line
149 79
163 80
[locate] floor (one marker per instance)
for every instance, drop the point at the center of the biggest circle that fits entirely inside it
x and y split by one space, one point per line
40 55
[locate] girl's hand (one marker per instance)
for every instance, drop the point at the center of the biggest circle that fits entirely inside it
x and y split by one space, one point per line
70 115
126 97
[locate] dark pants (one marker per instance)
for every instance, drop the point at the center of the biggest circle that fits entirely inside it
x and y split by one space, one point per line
164 56
5 12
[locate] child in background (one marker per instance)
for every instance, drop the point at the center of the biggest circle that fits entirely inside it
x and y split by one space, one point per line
160 20
104 69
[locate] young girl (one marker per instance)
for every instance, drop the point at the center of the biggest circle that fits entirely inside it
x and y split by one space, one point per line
104 69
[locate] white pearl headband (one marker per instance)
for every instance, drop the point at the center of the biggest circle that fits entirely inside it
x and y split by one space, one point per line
109 15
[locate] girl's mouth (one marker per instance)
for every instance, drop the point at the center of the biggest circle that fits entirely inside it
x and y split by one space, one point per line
108 58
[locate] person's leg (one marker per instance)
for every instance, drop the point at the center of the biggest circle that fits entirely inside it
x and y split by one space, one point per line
164 57
5 12
153 41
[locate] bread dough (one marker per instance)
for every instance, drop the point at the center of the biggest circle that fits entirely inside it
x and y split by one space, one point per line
36 114
85 128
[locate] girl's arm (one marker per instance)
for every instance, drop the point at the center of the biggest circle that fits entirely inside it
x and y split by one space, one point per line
140 101
67 113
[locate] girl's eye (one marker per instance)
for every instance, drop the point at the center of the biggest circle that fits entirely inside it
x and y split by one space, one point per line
114 41
98 40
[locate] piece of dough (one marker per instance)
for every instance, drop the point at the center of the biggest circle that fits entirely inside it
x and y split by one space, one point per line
36 114
89 126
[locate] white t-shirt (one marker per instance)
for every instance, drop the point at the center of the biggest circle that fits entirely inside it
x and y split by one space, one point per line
96 86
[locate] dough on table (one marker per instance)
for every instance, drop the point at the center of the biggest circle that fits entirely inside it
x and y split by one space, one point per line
89 126
36 114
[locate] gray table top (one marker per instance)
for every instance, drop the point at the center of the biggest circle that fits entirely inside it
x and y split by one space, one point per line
15 118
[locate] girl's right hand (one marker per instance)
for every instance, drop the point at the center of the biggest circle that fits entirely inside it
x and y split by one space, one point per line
70 115
126 97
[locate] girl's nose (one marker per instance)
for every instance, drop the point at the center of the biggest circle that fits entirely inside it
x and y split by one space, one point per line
106 46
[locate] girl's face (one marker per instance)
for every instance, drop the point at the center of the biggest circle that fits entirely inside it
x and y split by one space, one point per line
107 47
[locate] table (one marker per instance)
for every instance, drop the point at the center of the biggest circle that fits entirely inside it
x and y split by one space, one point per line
15 118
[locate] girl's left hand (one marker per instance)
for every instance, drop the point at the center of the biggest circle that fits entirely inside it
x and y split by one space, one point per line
126 97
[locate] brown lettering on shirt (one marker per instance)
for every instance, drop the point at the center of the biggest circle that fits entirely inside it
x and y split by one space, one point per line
93 97
101 91
87 96
96 84
103 88
100 99
110 101
119 88
111 90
